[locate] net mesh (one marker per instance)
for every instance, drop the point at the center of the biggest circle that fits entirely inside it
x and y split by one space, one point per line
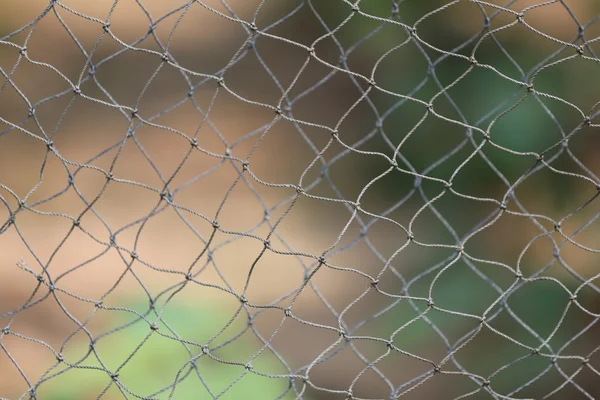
304 199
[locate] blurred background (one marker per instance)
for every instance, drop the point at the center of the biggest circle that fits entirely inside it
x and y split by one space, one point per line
125 288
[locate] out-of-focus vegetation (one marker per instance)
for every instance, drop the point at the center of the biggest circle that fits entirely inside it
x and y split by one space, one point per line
166 355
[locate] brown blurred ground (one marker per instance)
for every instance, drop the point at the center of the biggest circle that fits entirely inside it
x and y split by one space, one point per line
166 242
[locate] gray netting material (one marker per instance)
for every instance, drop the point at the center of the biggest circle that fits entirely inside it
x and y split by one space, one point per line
381 283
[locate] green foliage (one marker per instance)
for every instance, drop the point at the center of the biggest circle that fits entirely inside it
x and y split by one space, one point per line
156 362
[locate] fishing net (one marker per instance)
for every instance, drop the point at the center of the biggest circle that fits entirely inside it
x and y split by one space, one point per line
299 200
